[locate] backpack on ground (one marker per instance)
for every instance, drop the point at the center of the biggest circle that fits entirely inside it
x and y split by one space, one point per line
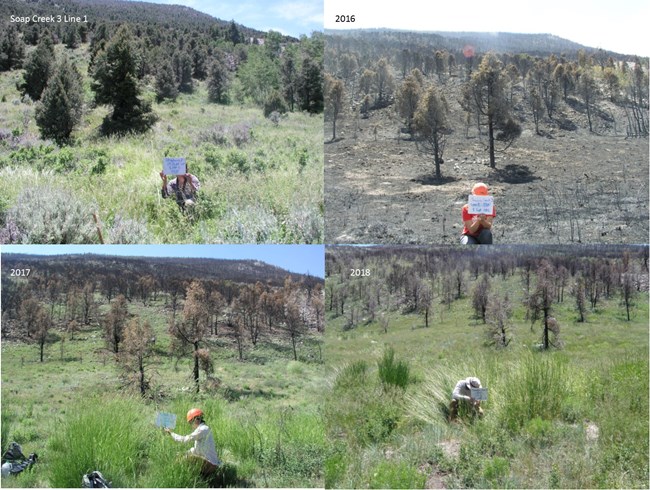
14 461
94 480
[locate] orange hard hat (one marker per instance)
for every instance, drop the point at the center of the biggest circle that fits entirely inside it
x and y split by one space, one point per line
193 413
480 189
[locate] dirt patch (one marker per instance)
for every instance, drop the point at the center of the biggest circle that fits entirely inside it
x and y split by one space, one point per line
435 480
561 187
591 431
450 448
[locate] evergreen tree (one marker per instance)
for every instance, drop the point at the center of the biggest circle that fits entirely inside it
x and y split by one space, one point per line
61 105
233 35
432 125
38 69
72 38
12 49
310 87
166 83
116 84
487 96
218 82
183 67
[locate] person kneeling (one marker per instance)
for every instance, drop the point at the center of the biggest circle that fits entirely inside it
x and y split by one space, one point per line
204 449
477 228
463 394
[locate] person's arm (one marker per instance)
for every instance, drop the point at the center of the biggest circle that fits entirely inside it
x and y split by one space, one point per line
473 224
165 190
190 437
194 182
486 221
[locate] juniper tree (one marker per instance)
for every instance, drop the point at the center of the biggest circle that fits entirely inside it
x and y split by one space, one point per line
218 81
166 83
137 349
480 297
61 106
114 323
12 49
432 125
333 100
498 313
485 94
310 87
190 332
183 68
408 97
115 83
38 69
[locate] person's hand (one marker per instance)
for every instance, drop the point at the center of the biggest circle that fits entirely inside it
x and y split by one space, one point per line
163 176
167 430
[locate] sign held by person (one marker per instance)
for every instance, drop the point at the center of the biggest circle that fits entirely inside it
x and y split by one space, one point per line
479 394
165 420
480 204
174 166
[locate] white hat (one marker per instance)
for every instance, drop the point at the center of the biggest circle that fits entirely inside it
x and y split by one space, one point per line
472 382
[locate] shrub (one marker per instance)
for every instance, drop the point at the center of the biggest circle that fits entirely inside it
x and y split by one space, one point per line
241 134
393 372
125 230
253 224
274 103
238 160
304 224
388 474
217 135
50 215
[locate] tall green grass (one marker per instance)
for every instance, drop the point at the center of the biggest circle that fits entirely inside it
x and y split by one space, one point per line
107 435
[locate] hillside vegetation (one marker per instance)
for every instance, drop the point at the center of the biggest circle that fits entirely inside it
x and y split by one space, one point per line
88 360
241 106
399 338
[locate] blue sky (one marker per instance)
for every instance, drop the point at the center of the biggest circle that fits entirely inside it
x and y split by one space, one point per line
294 258
291 17
620 26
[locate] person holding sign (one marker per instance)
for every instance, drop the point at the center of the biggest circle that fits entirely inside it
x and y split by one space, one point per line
204 449
184 187
463 394
478 214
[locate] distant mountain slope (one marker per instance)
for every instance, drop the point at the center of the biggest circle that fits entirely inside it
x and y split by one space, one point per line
117 11
241 271
499 42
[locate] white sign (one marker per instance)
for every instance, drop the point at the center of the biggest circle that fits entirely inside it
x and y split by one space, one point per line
479 394
166 420
480 205
174 166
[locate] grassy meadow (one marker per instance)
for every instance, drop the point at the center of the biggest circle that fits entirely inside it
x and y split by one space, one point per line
574 417
261 182
75 413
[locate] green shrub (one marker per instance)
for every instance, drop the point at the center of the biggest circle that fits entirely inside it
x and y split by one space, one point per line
274 103
336 465
496 471
238 160
388 474
393 372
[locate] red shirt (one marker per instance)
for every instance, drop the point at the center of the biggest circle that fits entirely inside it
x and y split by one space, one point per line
467 217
